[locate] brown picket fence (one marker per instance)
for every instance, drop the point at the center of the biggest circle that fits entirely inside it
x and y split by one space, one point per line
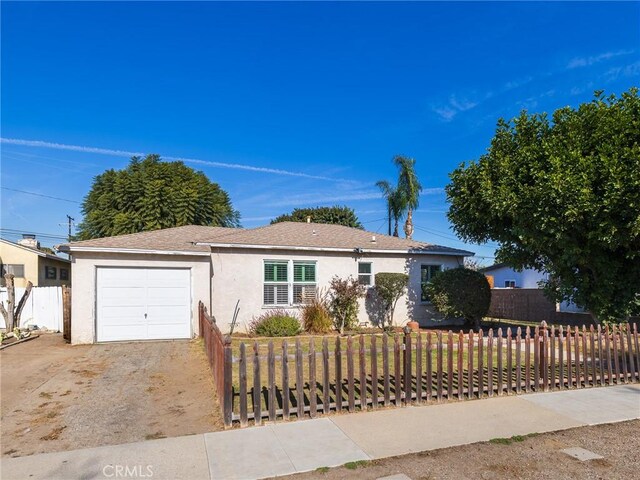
257 382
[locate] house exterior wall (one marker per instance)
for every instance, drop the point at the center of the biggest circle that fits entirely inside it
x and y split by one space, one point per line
34 266
527 278
83 298
238 275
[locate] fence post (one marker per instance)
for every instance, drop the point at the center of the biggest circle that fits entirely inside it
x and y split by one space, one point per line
542 353
228 382
407 367
66 313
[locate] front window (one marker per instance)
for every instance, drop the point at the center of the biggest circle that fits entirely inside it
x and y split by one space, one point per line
50 273
509 284
304 281
427 272
364 273
16 269
276 283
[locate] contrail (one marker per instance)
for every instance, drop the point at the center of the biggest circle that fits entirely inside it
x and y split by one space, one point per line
124 153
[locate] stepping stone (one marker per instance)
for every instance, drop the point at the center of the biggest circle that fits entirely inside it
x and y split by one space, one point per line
397 476
581 454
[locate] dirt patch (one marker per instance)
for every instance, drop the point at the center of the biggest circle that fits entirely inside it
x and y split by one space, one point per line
522 457
61 397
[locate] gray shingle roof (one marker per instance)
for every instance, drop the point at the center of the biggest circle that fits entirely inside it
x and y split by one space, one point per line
198 239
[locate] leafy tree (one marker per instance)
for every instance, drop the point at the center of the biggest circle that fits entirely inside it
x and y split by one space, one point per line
343 301
409 189
390 287
563 197
336 215
460 292
151 194
395 209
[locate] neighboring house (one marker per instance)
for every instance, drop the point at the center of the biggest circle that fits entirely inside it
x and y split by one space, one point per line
147 285
503 276
28 263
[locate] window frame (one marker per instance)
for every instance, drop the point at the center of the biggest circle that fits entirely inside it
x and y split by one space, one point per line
422 265
12 266
509 286
293 282
48 275
370 274
66 273
275 283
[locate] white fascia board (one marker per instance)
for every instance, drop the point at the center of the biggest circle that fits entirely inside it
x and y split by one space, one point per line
333 249
135 250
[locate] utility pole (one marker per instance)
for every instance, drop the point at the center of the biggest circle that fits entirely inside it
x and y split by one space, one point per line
70 221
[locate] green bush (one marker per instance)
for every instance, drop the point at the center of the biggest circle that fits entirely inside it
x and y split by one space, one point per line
343 302
390 287
460 292
275 323
316 317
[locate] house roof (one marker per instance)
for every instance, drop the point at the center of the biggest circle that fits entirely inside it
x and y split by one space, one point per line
39 253
199 240
495 266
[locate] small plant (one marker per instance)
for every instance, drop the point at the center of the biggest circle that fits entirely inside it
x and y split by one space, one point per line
322 469
343 302
275 323
315 315
356 464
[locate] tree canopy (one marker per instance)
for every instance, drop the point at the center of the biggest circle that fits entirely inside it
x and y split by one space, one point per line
336 215
562 196
150 194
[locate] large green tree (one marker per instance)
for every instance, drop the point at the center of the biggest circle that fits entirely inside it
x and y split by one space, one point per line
150 194
336 215
562 196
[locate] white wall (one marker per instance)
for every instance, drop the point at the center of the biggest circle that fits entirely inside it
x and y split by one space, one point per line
43 307
527 278
83 295
238 275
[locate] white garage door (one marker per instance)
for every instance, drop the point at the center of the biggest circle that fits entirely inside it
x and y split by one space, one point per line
143 304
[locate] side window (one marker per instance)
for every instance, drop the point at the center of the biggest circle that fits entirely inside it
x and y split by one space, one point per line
276 283
64 274
365 275
427 272
50 273
16 269
509 284
304 281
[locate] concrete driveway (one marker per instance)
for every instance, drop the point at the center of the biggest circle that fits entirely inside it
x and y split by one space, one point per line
57 397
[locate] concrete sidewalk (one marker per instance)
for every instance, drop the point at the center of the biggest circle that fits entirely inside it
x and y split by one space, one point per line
286 448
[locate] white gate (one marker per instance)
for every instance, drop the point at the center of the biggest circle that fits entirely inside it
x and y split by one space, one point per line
43 307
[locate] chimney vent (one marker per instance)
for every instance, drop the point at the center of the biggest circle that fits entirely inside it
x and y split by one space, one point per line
373 239
29 240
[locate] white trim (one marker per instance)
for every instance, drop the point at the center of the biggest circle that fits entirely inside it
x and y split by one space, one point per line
135 250
460 253
371 274
37 252
441 265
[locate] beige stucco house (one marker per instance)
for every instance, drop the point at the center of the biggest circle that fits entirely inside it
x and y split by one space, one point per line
148 285
28 263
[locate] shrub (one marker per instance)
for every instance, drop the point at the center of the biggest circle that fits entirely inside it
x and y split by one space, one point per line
343 302
315 315
275 323
390 287
460 292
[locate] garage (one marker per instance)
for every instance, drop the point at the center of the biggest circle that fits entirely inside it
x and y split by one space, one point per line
140 303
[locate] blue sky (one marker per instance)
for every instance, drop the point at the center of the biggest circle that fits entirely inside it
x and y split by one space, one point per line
287 104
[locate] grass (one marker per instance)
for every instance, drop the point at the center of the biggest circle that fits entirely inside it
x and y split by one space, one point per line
322 469
355 465
510 440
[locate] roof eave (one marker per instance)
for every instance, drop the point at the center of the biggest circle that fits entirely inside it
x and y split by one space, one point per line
143 251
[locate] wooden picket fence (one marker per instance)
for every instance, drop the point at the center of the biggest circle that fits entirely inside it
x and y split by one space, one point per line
373 371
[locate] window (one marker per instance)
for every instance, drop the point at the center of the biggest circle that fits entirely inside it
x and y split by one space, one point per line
50 273
509 284
276 286
64 274
17 270
289 282
304 281
364 273
427 272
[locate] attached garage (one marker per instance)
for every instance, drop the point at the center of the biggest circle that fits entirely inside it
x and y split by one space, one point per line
142 303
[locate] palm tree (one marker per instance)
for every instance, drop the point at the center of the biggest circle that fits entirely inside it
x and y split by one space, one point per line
395 209
408 189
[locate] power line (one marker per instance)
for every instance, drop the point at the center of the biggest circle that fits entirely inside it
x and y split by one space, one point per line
13 232
41 195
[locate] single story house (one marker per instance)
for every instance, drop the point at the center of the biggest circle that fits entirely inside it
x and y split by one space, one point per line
147 285
28 263
502 275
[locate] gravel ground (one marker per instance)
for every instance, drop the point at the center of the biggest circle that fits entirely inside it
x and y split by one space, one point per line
534 457
60 397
